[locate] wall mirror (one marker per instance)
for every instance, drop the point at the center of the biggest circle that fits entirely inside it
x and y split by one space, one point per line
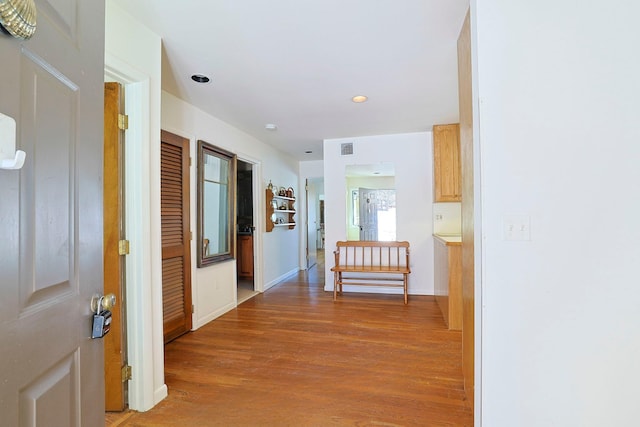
216 192
371 205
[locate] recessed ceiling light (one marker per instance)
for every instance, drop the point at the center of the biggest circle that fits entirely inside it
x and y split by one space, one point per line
200 78
270 126
359 98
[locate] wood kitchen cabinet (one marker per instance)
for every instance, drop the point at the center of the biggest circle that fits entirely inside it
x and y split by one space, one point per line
244 260
447 179
448 279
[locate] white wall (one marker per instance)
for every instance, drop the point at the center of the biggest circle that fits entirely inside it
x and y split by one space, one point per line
133 56
558 94
214 287
311 169
411 155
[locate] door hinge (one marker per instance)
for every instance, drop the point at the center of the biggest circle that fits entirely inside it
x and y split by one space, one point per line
191 235
126 373
123 121
193 308
123 247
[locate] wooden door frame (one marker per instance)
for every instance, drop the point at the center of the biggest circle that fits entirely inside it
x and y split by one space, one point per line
115 342
144 329
471 215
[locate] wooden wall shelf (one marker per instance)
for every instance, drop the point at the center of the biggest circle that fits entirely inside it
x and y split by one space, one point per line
277 217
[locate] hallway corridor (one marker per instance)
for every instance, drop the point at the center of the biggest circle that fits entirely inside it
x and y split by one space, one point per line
293 357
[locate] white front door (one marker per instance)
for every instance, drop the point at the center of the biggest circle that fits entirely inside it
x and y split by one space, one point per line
51 371
368 214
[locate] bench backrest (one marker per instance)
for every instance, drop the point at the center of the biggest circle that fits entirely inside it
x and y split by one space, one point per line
357 253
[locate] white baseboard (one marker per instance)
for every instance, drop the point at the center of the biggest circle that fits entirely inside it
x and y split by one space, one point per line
281 278
213 315
160 394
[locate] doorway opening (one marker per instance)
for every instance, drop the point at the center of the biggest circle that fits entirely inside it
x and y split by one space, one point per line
315 220
245 232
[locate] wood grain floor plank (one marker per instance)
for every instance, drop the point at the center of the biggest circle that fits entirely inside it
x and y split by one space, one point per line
294 357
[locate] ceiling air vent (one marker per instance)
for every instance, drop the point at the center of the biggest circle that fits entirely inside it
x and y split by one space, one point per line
346 148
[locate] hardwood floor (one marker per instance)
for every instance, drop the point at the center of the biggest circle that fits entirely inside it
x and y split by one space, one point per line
245 290
293 357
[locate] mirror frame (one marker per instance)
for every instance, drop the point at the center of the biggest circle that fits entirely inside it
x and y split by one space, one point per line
207 149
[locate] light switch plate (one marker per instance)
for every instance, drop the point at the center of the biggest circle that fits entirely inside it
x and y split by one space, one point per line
516 227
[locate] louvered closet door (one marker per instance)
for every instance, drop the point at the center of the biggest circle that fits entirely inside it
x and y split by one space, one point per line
176 254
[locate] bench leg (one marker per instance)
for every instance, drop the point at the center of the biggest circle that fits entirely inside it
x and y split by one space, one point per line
405 289
337 284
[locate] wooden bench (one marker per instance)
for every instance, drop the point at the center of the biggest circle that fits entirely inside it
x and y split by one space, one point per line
357 261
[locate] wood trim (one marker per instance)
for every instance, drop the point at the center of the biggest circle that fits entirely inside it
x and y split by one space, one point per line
113 231
374 244
455 286
176 235
448 282
466 151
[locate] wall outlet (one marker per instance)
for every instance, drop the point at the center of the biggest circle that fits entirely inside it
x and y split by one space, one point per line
516 227
438 217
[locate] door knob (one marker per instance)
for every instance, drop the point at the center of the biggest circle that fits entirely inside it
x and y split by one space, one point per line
104 302
109 301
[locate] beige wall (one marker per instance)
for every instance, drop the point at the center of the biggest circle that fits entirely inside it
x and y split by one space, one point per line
214 286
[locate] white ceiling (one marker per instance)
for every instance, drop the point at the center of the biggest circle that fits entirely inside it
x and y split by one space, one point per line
297 63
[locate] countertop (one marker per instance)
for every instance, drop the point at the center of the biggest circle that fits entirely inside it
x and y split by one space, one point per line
449 239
